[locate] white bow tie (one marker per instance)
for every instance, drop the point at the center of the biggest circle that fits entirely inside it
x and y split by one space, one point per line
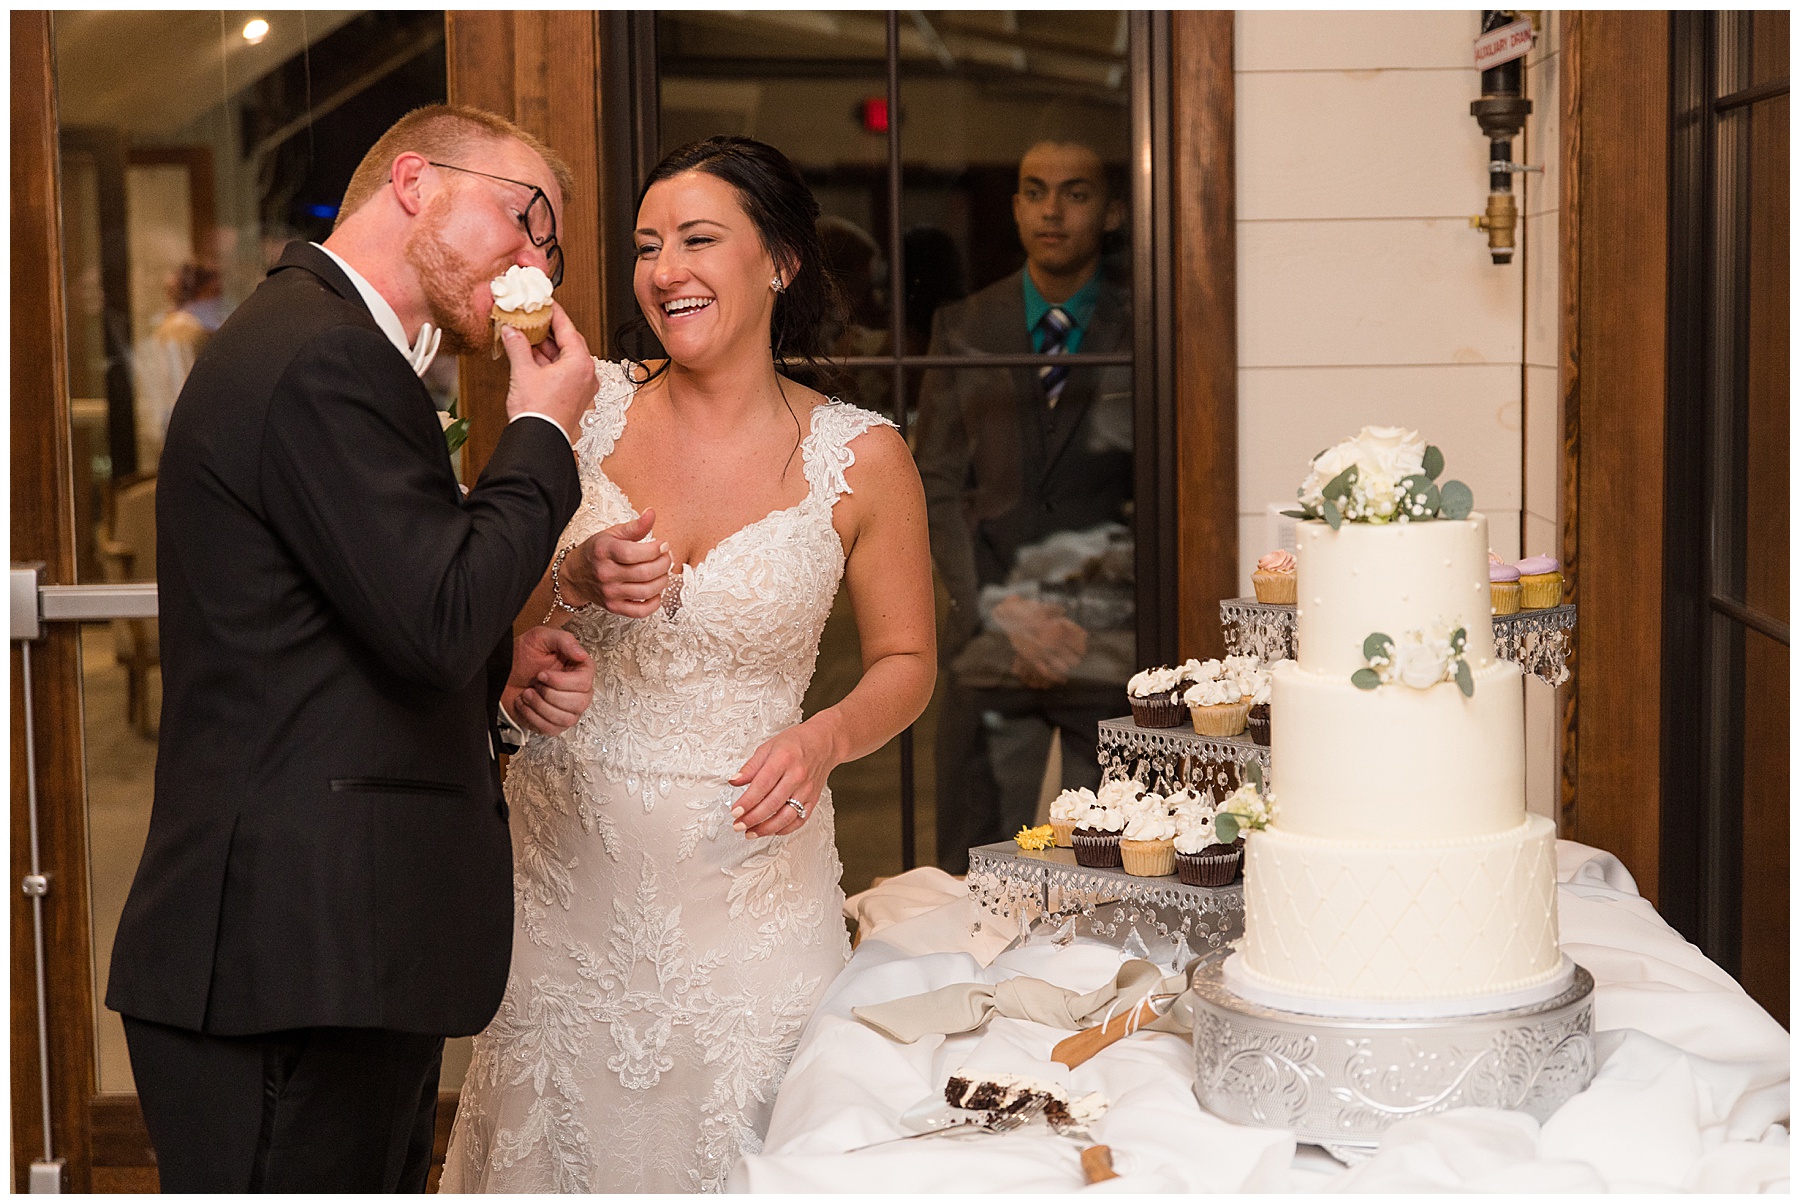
422 352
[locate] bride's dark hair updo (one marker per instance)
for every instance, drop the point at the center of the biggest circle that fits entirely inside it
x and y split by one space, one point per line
786 216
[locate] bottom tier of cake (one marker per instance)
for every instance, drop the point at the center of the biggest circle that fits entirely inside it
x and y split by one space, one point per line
1373 922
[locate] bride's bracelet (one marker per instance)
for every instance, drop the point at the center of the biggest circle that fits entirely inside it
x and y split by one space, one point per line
556 597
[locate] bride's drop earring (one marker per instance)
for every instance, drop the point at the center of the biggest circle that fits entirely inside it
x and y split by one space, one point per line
775 283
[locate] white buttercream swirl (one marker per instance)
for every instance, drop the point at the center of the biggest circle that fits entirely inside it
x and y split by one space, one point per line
1217 692
1194 831
1071 805
521 288
1153 681
1118 792
1150 826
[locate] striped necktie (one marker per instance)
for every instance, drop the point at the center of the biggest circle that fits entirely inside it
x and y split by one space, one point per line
1057 324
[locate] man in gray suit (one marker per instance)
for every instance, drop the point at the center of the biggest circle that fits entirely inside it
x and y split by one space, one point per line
1028 484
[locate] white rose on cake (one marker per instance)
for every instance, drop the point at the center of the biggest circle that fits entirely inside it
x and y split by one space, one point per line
1384 456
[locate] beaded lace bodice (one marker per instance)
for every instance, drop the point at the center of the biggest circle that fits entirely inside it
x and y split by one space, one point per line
663 964
739 646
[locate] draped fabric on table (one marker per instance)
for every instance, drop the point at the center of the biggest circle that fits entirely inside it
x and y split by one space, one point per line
1691 1093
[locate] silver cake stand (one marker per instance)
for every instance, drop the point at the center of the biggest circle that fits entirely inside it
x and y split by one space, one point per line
1339 1083
1538 641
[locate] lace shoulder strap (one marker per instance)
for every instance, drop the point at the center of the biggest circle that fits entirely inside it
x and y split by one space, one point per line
827 448
604 421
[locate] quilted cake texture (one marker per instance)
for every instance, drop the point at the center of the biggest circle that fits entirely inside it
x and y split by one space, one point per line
1368 922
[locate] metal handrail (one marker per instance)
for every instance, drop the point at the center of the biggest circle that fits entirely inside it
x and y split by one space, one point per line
88 603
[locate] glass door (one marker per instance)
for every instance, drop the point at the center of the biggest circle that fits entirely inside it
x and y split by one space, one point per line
187 149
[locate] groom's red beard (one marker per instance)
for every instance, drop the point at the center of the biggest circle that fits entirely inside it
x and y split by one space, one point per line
449 281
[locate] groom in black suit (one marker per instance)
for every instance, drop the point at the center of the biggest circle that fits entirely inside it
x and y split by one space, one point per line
326 891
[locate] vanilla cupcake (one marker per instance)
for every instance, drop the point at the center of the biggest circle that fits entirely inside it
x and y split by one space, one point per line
1096 837
521 300
1503 586
1065 809
1274 578
1540 582
1155 697
1218 707
1147 847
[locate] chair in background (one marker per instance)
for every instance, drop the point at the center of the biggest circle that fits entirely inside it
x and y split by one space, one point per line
127 547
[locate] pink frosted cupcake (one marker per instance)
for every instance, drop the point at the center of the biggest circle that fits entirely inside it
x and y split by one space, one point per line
1503 584
1274 579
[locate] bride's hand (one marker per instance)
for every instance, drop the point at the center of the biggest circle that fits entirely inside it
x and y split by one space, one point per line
792 764
619 569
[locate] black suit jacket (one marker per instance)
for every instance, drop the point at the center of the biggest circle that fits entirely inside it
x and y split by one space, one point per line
328 843
1001 471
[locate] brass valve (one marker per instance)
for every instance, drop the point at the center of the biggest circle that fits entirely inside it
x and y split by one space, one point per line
1500 221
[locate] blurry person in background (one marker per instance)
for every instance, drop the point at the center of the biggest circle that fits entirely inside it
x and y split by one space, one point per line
934 277
1028 484
166 355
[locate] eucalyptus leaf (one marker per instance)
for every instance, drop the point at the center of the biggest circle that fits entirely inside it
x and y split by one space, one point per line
1434 461
1464 680
1419 491
1225 827
1251 771
1339 486
1459 637
1376 645
1331 514
1459 500
1365 679
1296 514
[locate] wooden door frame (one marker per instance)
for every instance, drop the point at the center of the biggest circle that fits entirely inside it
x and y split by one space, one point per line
43 529
1614 84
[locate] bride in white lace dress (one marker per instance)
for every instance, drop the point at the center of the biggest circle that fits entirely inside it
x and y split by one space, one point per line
677 909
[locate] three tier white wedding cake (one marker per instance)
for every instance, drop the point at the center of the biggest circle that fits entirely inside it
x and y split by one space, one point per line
1401 874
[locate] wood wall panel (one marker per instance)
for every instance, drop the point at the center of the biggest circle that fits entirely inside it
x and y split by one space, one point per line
42 529
1202 100
1618 201
540 69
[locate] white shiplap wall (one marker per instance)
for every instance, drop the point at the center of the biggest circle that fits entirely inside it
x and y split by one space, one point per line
1365 298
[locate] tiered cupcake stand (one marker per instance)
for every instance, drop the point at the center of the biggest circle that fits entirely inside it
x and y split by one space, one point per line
1337 1082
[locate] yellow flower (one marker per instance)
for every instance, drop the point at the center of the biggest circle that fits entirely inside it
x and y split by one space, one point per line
1036 839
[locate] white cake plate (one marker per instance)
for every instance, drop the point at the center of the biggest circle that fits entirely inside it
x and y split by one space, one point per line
1339 1082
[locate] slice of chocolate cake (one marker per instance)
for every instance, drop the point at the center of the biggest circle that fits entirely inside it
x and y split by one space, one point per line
999 1094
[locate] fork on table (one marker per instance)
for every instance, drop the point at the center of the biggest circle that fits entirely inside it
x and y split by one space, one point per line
1004 1123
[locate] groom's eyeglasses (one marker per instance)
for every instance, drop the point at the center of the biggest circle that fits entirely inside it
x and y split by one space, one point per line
538 220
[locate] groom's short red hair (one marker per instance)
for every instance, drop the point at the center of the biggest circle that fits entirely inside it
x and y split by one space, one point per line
441 132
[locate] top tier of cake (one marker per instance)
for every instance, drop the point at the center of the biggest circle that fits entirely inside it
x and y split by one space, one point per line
1392 578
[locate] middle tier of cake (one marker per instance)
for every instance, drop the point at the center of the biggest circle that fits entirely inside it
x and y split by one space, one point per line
1398 763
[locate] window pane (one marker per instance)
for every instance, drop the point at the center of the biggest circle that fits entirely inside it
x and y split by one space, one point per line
1015 135
190 155
814 86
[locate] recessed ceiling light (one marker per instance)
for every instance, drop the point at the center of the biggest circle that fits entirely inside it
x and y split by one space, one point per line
256 31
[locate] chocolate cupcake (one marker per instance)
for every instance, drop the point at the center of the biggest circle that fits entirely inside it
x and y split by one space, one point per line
1155 697
1096 849
1214 865
1259 723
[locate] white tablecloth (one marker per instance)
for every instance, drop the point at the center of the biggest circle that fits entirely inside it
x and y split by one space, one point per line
1691 1092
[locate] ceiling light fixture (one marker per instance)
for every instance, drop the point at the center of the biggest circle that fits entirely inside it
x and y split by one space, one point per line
256 31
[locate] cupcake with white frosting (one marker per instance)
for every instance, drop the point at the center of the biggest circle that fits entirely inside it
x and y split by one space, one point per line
1147 846
1155 696
1096 836
1218 707
1200 860
1065 809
